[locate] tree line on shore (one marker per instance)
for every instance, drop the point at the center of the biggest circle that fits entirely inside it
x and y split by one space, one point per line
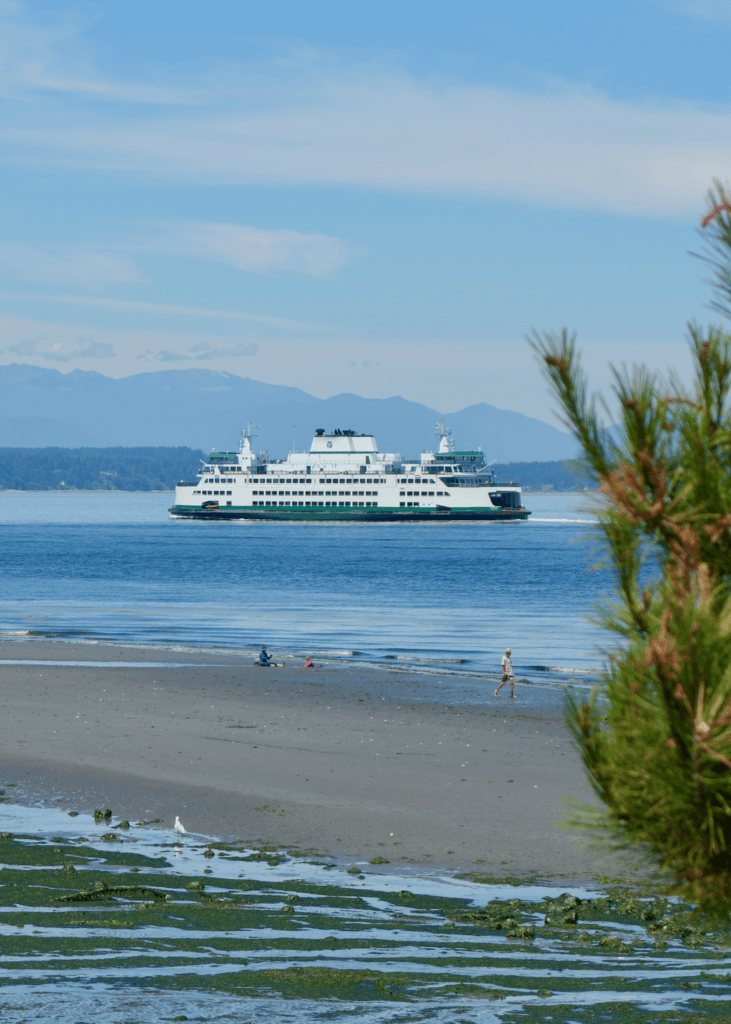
160 469
97 469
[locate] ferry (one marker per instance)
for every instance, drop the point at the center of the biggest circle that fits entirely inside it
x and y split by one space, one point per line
344 477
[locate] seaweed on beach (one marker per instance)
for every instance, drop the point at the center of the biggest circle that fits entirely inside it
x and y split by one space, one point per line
339 944
101 891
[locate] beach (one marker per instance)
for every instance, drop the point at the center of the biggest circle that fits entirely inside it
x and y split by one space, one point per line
356 763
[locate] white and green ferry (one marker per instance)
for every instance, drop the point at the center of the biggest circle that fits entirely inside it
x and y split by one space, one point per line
344 477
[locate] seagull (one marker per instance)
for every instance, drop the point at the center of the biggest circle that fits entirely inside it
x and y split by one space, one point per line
179 826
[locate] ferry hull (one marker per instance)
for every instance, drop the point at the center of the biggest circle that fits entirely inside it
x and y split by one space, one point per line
378 515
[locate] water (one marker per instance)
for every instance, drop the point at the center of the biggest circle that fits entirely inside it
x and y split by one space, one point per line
115 567
151 927
283 935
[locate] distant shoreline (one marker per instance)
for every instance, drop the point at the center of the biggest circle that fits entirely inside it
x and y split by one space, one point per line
122 490
159 468
81 490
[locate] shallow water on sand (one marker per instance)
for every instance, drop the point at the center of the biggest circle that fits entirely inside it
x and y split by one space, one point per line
102 922
433 596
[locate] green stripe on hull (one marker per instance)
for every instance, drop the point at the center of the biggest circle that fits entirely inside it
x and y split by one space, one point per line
334 514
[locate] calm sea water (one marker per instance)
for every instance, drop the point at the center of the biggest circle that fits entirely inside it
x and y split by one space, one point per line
114 566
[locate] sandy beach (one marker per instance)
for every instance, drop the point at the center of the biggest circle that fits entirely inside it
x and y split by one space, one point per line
354 762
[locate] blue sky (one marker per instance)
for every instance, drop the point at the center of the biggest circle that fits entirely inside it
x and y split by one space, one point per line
376 198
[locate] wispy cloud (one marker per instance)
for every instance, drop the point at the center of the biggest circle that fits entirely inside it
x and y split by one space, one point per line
315 121
65 264
253 249
120 350
568 147
63 350
48 56
127 305
709 10
203 350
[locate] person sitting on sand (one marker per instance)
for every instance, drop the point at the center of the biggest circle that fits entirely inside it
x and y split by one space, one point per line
308 663
264 658
507 667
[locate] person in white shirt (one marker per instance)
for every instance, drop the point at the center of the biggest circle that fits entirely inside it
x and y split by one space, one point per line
507 673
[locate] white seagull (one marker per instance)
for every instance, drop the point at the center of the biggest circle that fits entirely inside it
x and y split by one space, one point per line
179 826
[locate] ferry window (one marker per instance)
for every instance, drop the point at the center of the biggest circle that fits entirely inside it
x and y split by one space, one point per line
328 481
308 481
431 493
375 503
411 480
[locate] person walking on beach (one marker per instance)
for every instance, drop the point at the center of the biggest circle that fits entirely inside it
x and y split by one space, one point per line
507 667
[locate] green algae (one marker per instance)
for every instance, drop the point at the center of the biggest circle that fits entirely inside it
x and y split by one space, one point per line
307 940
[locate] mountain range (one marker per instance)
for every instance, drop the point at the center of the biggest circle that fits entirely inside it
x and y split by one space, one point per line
206 409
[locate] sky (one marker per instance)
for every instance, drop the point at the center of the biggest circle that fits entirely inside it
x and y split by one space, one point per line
377 198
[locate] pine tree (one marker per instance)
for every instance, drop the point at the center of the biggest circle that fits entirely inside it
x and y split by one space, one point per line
655 738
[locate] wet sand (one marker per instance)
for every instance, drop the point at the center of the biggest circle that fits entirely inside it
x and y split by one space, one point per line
354 762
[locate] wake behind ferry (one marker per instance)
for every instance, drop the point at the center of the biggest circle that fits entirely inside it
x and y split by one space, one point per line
345 477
